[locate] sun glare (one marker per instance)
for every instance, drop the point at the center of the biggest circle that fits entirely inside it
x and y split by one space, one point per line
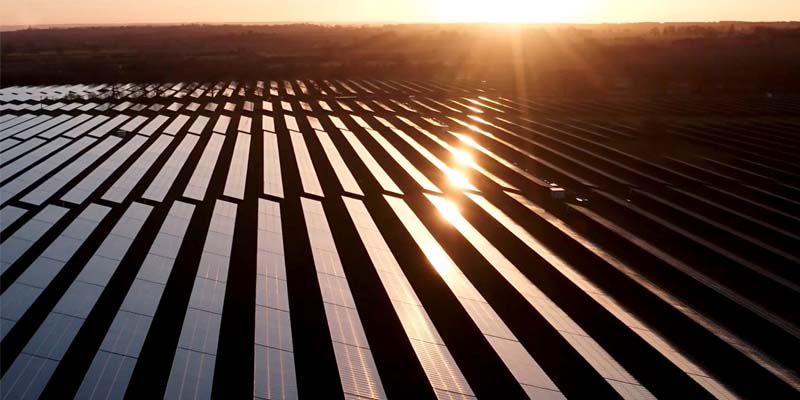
511 11
448 210
463 157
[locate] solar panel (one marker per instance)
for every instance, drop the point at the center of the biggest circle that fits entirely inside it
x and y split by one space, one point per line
436 360
166 177
357 371
13 152
196 189
153 125
35 130
47 166
346 178
308 176
27 288
176 124
237 172
374 167
222 124
197 346
267 123
516 358
81 191
48 188
55 335
111 368
273 183
199 124
13 130
406 165
120 189
22 240
535 246
86 126
244 124
104 129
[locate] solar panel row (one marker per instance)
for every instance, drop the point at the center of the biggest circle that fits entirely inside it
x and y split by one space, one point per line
456 244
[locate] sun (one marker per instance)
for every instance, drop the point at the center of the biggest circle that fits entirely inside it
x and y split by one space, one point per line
512 11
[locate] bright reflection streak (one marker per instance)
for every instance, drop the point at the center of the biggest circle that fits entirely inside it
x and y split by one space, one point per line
463 157
413 317
479 119
470 126
466 139
458 179
455 177
501 338
447 209
439 260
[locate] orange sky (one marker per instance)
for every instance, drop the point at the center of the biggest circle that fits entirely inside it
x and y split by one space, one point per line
31 12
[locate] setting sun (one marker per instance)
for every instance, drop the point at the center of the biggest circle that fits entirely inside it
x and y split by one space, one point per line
511 11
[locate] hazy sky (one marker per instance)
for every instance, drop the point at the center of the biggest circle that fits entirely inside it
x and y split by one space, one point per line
25 12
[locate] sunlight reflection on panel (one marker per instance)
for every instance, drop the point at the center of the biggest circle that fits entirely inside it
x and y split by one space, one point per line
627 386
448 209
466 139
463 158
438 259
520 363
458 179
454 178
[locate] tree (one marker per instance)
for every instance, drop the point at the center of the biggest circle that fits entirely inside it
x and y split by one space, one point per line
655 31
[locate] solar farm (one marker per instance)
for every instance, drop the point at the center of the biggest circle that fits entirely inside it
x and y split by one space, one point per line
371 239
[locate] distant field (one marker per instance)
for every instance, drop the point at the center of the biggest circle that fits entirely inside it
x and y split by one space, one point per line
726 57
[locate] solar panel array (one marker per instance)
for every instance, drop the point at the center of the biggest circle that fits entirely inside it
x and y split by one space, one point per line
369 239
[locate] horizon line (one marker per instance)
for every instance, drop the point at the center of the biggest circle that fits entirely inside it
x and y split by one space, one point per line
5 27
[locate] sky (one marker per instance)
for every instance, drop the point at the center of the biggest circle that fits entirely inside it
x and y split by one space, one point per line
51 12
